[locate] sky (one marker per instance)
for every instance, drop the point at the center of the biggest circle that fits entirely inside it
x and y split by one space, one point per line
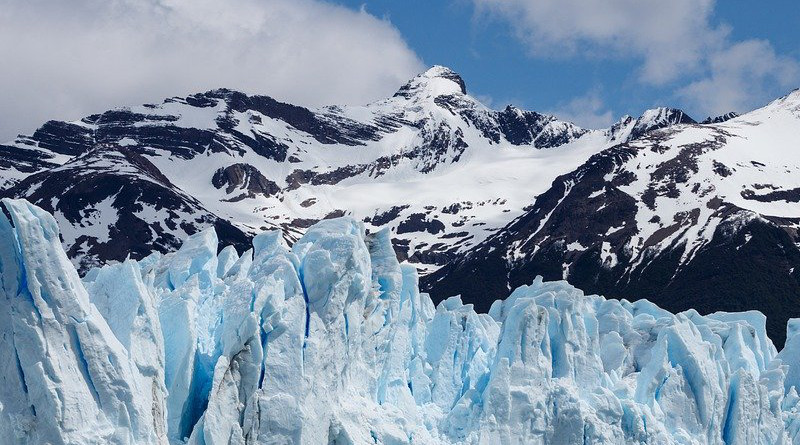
588 61
593 61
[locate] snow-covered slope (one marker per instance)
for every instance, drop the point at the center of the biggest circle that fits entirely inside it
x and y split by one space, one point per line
481 201
432 163
331 342
701 216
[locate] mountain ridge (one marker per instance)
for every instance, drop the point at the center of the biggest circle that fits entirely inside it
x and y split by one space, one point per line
434 105
442 171
698 216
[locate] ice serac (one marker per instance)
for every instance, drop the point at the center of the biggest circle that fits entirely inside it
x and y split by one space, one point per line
72 376
330 341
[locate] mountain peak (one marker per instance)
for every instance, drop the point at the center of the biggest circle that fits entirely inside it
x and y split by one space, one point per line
660 117
628 128
673 115
436 81
443 72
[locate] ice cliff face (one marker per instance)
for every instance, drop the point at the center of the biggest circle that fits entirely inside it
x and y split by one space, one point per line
330 342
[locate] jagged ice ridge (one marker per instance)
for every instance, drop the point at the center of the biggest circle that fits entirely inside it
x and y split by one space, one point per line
329 341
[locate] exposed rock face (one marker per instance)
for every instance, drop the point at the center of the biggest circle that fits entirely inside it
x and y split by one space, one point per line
113 202
244 177
720 119
531 128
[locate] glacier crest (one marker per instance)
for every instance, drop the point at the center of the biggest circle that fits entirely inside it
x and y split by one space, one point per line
330 341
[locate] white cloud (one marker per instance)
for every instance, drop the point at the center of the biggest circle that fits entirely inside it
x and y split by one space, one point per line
587 111
740 78
62 60
670 37
675 41
486 99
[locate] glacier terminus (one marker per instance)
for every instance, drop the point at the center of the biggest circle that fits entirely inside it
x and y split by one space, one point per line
329 341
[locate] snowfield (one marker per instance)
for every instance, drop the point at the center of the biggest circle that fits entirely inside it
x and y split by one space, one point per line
329 341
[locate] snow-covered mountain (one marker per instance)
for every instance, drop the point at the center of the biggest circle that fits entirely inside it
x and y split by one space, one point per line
689 215
431 162
331 342
692 216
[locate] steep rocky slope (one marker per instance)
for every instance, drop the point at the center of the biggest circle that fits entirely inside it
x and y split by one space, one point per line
693 216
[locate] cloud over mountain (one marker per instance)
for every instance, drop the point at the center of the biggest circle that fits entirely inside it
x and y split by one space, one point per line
677 45
83 56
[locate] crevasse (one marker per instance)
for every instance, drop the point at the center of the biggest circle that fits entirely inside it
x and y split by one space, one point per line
329 341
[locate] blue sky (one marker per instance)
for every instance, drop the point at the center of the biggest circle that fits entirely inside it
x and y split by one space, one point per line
498 66
589 61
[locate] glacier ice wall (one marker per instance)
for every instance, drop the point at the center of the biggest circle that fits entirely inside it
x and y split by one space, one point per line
329 341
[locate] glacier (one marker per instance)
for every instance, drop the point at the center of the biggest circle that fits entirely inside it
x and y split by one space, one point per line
330 341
